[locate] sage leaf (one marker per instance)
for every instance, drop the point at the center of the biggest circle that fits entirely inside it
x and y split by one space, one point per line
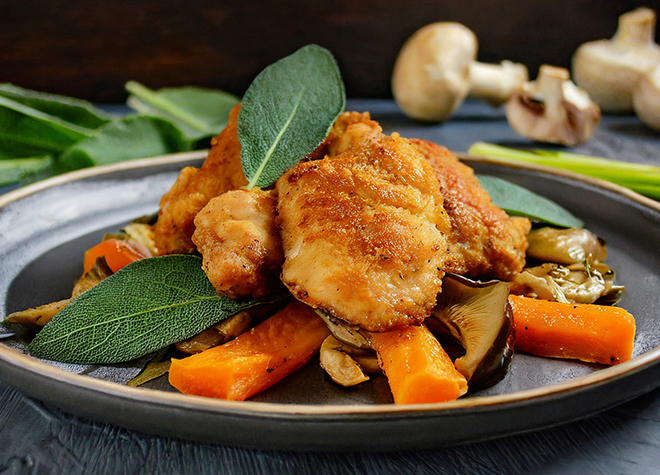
519 201
134 136
25 131
147 305
287 112
73 111
197 112
17 170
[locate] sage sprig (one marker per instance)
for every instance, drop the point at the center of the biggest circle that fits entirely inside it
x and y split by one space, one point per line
519 201
287 112
147 305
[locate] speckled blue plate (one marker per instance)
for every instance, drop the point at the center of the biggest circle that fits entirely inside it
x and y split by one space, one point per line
45 228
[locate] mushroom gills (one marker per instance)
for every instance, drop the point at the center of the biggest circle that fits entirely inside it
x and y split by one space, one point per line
478 315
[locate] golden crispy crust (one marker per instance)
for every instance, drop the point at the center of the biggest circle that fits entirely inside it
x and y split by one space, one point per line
484 240
221 171
240 242
362 233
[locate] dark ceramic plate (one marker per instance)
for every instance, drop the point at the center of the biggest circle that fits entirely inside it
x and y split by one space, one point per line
45 228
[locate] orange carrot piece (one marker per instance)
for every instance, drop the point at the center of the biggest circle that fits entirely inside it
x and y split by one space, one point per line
117 252
587 332
417 368
256 359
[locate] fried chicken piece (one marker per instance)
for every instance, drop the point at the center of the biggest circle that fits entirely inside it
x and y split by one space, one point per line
221 171
349 130
363 231
240 243
484 240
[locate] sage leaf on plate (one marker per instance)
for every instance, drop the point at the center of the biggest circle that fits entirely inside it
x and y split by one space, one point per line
519 201
135 136
147 305
287 112
198 112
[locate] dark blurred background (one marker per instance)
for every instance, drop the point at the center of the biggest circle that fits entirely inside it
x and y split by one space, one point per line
89 49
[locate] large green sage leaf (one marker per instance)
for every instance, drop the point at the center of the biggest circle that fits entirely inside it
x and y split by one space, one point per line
147 305
287 112
519 201
134 136
198 112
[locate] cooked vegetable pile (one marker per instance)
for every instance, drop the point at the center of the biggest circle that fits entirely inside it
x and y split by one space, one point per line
308 231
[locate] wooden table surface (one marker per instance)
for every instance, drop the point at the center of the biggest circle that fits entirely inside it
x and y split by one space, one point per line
40 439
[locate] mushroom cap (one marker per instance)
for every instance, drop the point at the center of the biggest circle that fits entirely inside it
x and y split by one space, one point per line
553 109
609 69
646 98
430 77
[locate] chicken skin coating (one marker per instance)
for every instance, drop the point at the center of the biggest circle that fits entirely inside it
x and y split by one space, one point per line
221 171
484 241
363 233
240 243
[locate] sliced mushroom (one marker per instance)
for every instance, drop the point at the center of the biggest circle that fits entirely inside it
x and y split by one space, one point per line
610 69
336 358
577 283
436 70
478 315
218 334
349 334
553 109
565 246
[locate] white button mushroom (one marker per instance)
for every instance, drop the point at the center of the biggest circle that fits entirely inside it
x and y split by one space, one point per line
646 98
437 68
553 109
609 69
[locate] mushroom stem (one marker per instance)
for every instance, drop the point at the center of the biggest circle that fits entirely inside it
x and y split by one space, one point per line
494 83
636 27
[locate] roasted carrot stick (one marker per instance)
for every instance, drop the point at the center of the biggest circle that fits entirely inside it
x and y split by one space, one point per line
417 368
591 333
117 252
256 359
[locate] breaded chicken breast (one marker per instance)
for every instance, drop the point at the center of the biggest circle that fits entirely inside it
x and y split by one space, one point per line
364 231
240 242
484 241
221 171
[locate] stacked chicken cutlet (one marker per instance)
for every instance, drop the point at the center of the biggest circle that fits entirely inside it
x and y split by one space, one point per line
364 228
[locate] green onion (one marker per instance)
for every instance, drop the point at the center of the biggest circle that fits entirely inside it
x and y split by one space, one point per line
644 179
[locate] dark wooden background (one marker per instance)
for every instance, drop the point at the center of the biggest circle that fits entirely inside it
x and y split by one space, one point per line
89 49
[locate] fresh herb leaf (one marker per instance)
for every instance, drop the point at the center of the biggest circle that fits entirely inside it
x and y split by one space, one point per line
25 131
198 112
131 137
519 201
287 112
15 170
74 111
147 305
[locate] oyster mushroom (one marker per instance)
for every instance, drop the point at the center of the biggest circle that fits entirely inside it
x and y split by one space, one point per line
576 283
436 70
553 109
565 246
610 69
478 315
